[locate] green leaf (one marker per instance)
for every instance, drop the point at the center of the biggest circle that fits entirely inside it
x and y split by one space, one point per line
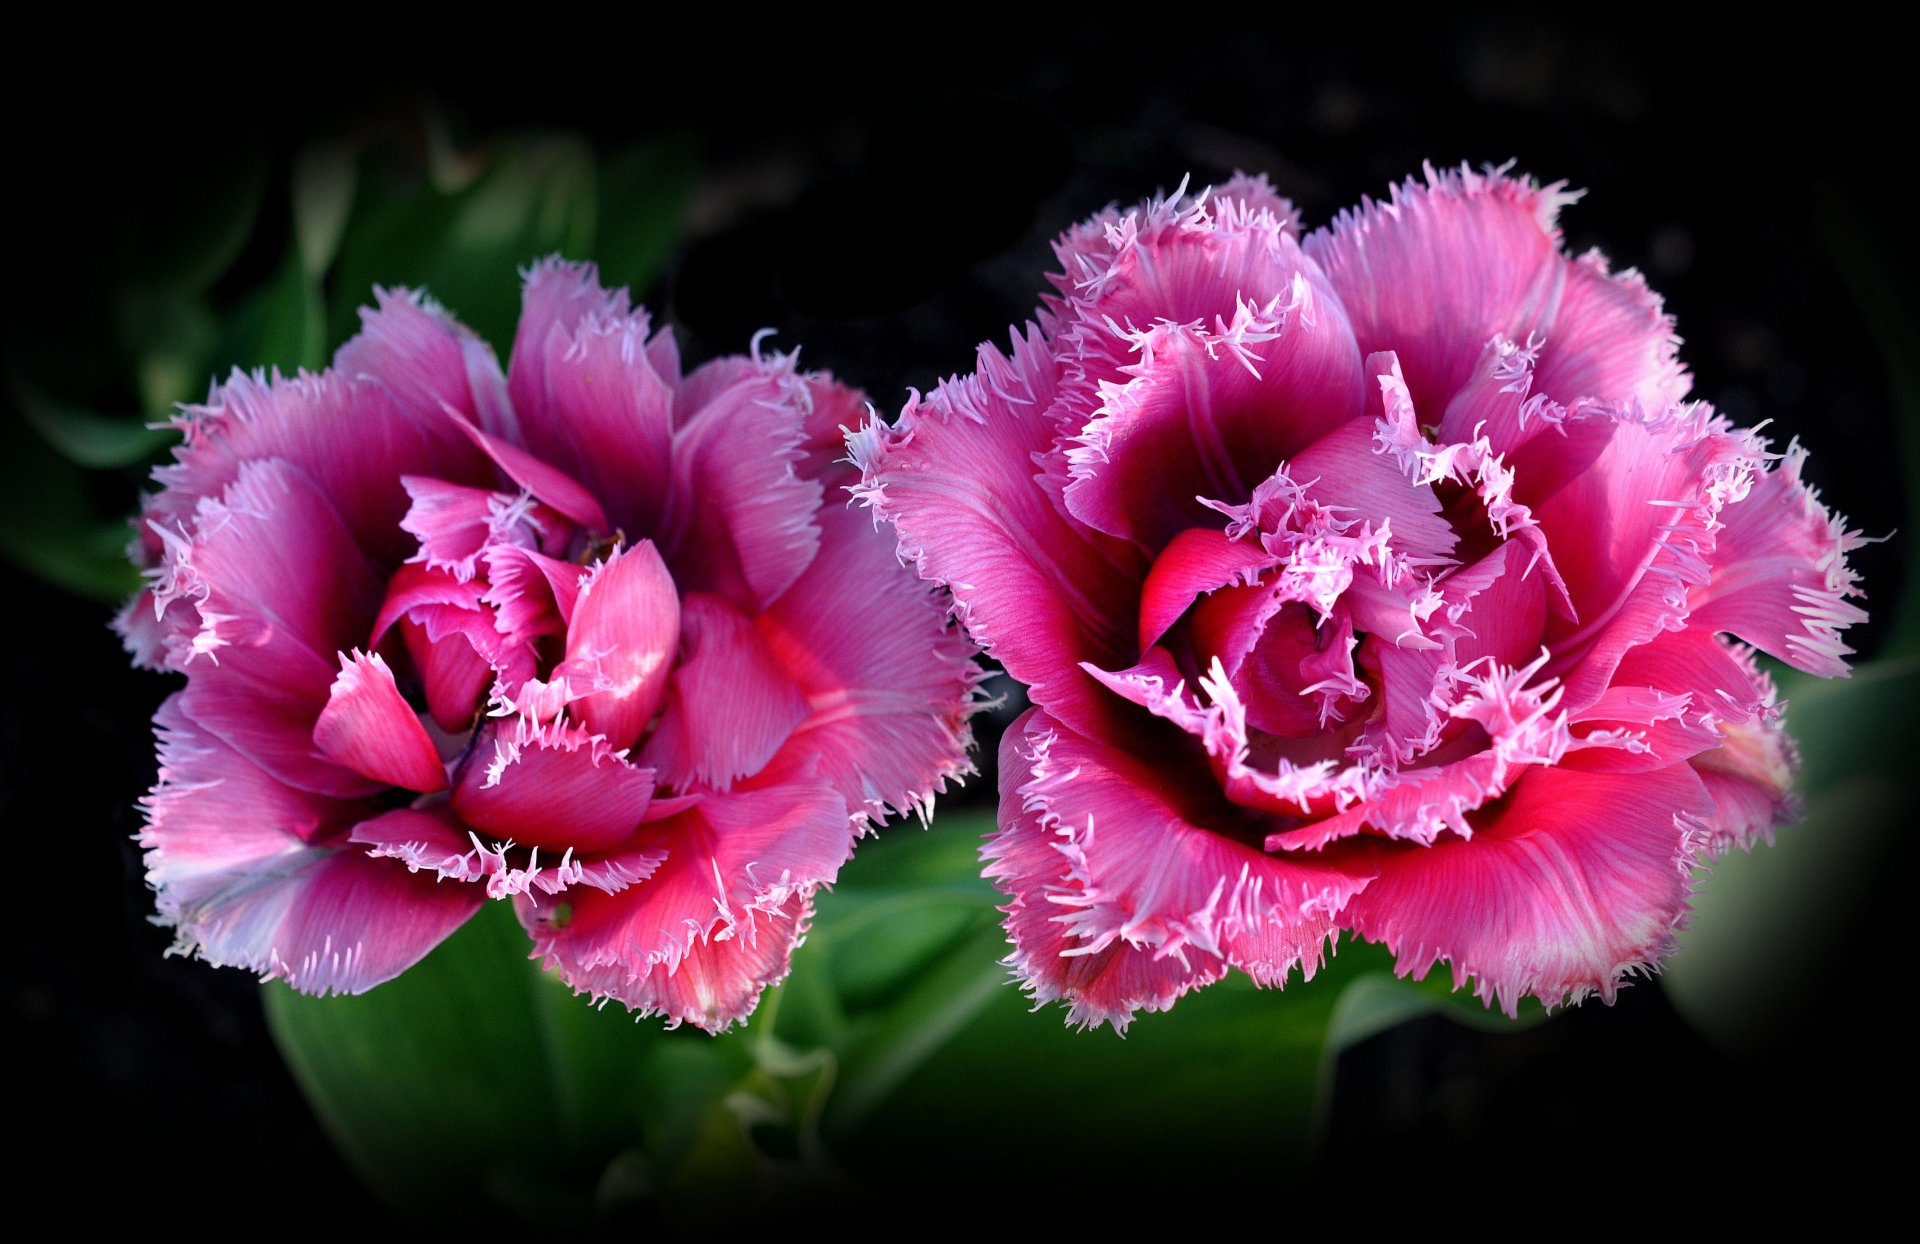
1767 925
171 338
47 525
292 326
475 1070
643 195
100 442
467 245
323 183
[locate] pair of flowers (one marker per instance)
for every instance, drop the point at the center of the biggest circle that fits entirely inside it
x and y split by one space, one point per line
1374 582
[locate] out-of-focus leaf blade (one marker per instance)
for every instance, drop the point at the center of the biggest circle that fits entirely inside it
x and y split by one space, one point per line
323 183
47 524
476 1070
1766 924
99 442
467 246
643 196
172 339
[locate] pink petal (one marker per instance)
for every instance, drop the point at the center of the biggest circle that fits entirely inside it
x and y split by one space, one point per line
1780 577
1604 524
734 867
1197 561
454 674
269 563
740 522
1576 883
1610 339
1037 589
589 399
532 595
456 648
626 626
228 851
1413 701
352 436
732 705
1645 542
888 687
717 982
369 728
434 841
834 410
277 586
555 788
418 838
455 523
547 482
1133 867
1193 419
1502 603
415 586
1440 268
1672 696
141 631
1348 473
1750 777
425 360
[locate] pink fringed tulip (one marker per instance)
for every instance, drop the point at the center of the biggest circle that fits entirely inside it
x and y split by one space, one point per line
1380 582
592 636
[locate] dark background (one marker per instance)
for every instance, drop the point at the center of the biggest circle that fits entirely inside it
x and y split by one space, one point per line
886 212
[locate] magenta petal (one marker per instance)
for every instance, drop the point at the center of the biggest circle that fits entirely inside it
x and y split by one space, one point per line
887 703
1610 338
368 727
277 586
1578 882
1197 561
1750 776
352 439
416 586
532 595
1350 475
423 358
269 565
1604 523
1780 577
1441 267
549 483
228 851
1502 600
1035 587
553 788
418 838
454 675
717 982
834 410
734 866
626 627
1129 868
732 705
455 523
740 521
333 922
1195 420
589 398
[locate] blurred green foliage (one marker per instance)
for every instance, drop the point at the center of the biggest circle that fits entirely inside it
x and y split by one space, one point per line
266 267
897 1039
